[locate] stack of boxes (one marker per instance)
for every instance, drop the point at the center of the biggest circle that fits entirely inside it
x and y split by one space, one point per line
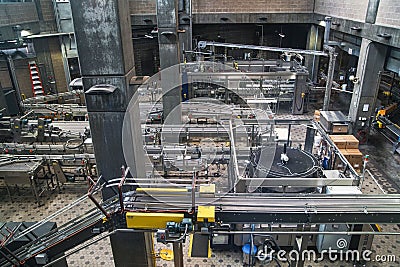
317 115
348 146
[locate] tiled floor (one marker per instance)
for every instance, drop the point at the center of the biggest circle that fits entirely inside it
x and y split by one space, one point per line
384 166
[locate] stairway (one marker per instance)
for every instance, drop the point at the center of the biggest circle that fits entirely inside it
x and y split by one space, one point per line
37 88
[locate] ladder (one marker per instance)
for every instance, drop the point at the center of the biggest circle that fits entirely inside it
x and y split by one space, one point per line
37 88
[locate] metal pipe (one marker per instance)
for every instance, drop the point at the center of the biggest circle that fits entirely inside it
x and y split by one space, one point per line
376 182
121 183
26 115
328 23
203 44
315 48
234 162
303 233
178 254
190 26
54 215
194 191
7 258
329 80
11 253
90 196
78 249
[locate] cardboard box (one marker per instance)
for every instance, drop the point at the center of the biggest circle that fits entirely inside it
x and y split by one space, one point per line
355 154
354 157
339 128
345 141
339 141
351 142
317 115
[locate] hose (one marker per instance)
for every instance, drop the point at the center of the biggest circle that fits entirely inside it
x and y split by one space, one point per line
67 145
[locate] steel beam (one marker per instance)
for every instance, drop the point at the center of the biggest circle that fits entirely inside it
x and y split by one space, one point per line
263 48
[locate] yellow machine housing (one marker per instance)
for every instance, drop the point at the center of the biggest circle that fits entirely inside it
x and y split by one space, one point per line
206 212
151 220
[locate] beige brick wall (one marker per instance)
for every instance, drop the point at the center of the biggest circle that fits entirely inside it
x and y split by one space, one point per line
23 76
354 10
13 13
58 67
232 6
142 6
389 13
47 10
49 21
252 6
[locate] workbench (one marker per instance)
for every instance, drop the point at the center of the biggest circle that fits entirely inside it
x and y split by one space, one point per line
21 172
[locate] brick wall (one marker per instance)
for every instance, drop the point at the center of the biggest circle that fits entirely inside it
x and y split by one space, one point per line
142 6
4 75
58 67
146 53
22 73
354 10
389 13
252 6
49 22
14 13
232 6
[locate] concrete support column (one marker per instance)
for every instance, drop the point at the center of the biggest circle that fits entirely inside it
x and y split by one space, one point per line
103 35
104 42
168 39
372 11
371 61
314 42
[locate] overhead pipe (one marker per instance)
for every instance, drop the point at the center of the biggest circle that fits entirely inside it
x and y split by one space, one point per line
256 233
329 80
328 24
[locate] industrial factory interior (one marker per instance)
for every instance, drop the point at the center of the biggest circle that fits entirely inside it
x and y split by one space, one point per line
215 133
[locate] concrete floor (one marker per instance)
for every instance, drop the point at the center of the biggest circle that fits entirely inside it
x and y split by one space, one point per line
383 159
383 165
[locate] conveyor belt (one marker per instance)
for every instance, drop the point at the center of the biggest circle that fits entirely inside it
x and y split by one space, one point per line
66 237
43 149
72 158
253 208
71 126
232 208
